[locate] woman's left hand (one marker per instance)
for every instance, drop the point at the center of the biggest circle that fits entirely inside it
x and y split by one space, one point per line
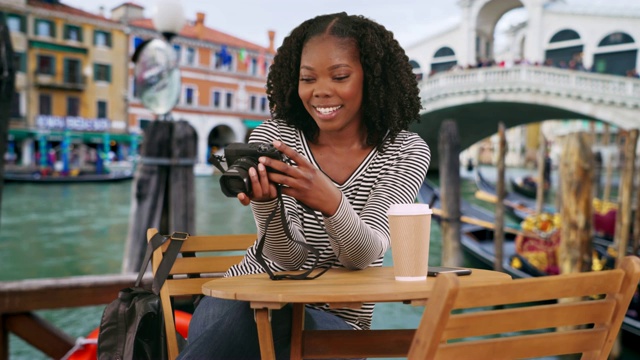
305 182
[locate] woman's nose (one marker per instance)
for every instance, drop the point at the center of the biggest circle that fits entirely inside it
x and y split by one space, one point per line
322 89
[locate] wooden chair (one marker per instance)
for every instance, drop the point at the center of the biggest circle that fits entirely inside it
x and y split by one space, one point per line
214 255
579 323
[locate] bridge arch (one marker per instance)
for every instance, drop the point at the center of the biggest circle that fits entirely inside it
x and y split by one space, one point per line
478 99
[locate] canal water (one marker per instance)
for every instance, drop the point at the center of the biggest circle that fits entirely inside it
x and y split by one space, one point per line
58 230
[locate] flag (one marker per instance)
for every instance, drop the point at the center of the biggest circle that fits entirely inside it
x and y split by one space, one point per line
224 56
261 69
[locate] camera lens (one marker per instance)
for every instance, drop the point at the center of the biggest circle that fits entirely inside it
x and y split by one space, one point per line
236 179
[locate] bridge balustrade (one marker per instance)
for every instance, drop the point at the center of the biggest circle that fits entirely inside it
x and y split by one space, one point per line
590 87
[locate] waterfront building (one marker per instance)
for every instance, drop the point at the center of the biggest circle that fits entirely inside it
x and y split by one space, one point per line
69 109
223 80
594 36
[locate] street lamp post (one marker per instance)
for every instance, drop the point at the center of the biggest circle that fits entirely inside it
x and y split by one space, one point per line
163 188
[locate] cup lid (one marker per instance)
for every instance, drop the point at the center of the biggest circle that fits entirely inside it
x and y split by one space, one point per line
409 209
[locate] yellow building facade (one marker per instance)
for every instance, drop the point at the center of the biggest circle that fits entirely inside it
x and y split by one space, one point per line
71 85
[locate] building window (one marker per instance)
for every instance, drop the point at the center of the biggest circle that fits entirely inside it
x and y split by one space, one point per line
20 61
263 104
44 104
102 109
45 28
73 106
16 23
216 99
178 50
252 102
72 71
101 38
616 39
102 72
189 96
254 66
15 112
191 56
46 65
564 35
73 33
229 102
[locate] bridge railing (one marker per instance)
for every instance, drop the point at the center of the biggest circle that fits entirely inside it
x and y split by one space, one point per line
622 91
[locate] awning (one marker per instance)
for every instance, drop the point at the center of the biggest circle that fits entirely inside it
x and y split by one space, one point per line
251 123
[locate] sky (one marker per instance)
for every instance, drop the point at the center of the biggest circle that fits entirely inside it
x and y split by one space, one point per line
410 20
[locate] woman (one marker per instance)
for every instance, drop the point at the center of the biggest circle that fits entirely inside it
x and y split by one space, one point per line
342 94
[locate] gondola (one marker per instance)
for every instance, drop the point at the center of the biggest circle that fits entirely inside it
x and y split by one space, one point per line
518 205
478 246
36 177
526 186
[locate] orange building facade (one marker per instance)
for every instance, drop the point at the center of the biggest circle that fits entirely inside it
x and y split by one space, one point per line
223 80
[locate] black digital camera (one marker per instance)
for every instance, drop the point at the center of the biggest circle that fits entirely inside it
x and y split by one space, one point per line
241 157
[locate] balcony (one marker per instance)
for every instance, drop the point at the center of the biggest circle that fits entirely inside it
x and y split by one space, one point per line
60 81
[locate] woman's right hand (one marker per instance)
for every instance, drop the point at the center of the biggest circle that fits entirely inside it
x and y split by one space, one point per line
262 188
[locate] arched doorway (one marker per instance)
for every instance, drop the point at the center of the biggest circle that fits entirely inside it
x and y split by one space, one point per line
616 54
417 71
219 137
443 60
565 50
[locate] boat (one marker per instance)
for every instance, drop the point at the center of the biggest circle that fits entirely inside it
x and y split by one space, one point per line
477 243
37 177
526 186
518 205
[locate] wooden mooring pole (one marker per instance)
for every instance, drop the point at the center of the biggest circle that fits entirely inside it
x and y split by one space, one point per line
542 157
623 218
449 152
577 164
498 241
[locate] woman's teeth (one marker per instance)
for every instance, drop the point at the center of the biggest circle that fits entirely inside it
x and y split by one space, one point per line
327 110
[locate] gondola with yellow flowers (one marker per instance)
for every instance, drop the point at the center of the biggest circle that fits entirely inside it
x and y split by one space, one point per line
529 251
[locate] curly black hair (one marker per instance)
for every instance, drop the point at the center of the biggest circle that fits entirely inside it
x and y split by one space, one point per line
390 99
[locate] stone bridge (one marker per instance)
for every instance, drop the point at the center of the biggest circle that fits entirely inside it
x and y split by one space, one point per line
478 99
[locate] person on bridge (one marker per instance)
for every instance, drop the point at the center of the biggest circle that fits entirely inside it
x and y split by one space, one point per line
342 94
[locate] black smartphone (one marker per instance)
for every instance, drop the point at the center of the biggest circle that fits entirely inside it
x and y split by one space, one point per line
435 270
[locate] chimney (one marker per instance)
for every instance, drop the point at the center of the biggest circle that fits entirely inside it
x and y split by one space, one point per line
272 36
199 25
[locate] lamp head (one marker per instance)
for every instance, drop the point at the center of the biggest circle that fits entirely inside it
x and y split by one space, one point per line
168 17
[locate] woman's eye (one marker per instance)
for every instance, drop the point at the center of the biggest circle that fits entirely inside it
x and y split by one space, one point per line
341 77
306 79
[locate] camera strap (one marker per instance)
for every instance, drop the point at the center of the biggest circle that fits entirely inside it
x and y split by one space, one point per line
285 225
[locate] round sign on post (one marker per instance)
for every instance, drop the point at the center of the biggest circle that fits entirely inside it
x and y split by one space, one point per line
157 76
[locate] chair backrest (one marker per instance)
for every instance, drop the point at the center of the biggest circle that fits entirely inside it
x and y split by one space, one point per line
525 318
208 256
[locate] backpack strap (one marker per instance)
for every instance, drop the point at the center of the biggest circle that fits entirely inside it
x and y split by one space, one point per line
168 259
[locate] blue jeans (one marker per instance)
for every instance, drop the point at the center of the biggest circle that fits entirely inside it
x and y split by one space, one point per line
226 329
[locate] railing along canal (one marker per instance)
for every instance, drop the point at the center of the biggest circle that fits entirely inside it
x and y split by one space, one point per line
20 299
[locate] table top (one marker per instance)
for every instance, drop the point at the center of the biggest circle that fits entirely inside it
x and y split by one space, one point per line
373 284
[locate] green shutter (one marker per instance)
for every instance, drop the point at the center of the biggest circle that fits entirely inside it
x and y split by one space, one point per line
108 72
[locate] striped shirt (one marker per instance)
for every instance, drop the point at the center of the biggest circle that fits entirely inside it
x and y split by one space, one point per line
357 235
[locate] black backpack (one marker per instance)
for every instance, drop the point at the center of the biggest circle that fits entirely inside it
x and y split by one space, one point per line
132 326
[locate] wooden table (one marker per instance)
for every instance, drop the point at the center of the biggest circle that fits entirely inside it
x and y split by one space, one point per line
339 288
